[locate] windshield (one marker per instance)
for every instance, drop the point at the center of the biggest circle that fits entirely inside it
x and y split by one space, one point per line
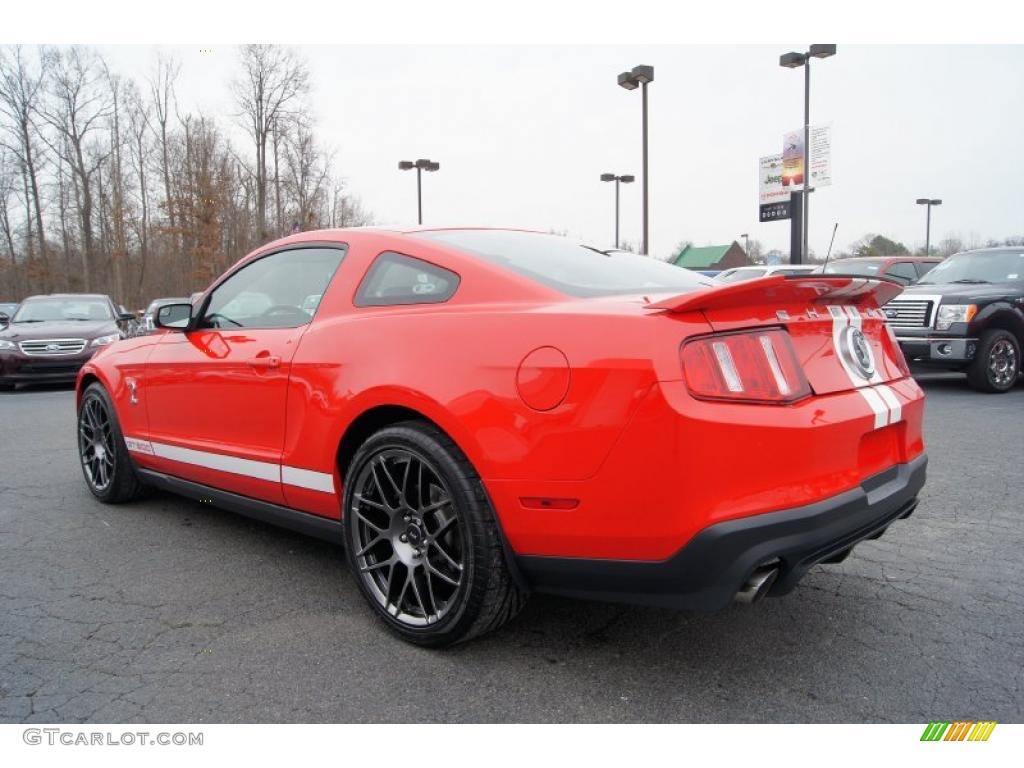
49 310
978 267
568 266
739 275
853 267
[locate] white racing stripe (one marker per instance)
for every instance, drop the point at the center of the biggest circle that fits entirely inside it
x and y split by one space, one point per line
307 478
261 470
884 403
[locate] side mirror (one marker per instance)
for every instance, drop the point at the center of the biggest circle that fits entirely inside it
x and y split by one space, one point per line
125 317
5 320
174 317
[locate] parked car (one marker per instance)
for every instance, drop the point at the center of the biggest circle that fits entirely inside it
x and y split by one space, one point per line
966 314
147 325
50 337
478 414
7 310
739 274
905 269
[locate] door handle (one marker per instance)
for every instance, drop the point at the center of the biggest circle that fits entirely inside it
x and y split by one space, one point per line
265 361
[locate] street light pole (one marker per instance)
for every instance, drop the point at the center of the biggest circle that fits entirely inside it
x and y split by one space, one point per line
792 60
641 76
804 254
420 165
626 179
746 243
419 195
643 93
928 203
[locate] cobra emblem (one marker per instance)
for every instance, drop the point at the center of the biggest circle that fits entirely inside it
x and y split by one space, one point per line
858 352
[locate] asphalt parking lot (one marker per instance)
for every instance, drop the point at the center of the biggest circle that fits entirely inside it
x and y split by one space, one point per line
172 611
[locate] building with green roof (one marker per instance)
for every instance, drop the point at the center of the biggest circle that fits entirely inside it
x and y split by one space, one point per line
711 257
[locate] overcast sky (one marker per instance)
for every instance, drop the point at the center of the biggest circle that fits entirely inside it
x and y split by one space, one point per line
523 133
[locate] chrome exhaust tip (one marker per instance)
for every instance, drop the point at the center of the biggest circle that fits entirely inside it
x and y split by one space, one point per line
758 584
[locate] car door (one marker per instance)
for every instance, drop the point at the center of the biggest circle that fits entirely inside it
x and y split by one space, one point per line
216 394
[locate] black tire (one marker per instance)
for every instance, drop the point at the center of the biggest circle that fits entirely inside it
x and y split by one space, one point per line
111 477
996 364
382 526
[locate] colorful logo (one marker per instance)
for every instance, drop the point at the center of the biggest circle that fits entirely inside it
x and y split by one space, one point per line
958 731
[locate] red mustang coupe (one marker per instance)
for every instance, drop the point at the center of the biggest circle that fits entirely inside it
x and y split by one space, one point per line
477 414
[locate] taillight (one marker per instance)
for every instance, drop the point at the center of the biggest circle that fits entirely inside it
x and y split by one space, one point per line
754 366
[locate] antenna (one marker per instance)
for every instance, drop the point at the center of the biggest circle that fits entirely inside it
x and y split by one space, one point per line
829 253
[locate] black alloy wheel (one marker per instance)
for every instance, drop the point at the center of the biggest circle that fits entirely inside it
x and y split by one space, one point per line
422 539
108 469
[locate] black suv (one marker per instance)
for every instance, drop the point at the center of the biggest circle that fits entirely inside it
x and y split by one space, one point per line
967 314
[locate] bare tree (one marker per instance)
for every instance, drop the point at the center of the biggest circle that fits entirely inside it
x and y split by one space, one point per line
108 187
308 170
161 89
21 90
7 182
80 104
272 85
138 149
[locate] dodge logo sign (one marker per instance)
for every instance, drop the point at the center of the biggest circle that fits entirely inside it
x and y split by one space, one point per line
858 353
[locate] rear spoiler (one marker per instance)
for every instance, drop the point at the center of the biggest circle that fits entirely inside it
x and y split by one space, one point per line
786 289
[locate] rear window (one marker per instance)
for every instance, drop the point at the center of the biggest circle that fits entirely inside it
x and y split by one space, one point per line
568 266
739 275
852 266
395 279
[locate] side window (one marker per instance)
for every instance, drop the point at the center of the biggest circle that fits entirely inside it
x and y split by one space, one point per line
924 267
282 290
396 279
903 271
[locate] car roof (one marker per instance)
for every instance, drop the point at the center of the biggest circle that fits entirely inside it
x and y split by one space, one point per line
102 296
994 248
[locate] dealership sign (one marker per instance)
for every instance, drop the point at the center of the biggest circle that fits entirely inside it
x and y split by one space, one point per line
772 195
793 166
782 174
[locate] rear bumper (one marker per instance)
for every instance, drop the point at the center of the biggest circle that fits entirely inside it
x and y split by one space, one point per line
713 566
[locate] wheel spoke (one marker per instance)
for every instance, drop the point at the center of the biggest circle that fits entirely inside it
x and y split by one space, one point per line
430 591
443 528
416 592
405 494
377 567
444 577
451 561
361 499
370 545
369 522
401 596
435 506
378 468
